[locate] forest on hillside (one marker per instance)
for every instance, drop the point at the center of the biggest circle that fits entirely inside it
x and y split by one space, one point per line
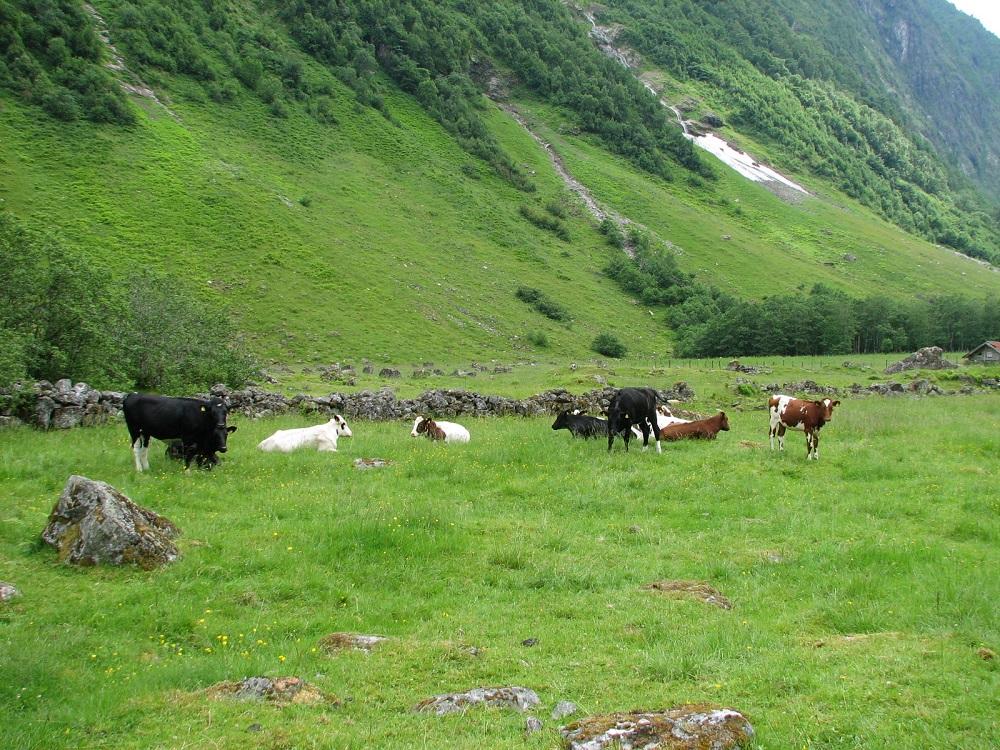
811 102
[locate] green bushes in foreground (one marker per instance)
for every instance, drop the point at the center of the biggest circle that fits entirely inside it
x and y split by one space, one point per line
60 316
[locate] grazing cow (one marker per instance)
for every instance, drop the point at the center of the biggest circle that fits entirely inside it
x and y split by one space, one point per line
633 406
700 429
322 437
199 425
581 425
795 414
176 452
449 432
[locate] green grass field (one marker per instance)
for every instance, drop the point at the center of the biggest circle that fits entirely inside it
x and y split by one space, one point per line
863 585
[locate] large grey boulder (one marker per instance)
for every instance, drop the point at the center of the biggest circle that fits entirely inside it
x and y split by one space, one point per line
93 524
928 358
688 727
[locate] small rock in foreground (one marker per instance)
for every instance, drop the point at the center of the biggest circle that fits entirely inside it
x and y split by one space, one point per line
371 463
8 591
500 697
564 709
356 641
691 590
688 727
280 691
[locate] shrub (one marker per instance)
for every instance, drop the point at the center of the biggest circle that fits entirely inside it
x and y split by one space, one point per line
546 306
543 221
539 339
608 345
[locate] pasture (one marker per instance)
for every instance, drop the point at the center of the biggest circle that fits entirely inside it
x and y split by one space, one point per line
864 585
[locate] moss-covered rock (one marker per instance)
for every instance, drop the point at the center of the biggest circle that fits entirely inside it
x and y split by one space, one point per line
95 524
687 727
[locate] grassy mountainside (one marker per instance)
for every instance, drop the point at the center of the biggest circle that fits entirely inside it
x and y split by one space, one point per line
339 216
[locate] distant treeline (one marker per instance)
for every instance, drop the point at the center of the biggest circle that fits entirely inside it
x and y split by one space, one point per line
62 316
431 49
709 323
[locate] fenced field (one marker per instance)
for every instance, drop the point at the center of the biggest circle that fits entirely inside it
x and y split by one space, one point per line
864 586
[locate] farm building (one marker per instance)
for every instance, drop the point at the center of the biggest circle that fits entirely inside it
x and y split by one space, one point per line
988 352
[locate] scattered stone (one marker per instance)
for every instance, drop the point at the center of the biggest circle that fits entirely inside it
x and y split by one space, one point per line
635 529
928 358
8 591
93 523
691 590
389 372
255 727
986 654
343 641
518 698
564 709
280 691
849 257
774 557
688 727
532 724
529 642
371 463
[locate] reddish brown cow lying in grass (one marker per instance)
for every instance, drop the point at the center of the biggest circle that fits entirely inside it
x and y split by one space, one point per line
795 414
701 429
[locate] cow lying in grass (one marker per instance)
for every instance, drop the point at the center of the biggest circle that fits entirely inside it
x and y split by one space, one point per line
700 429
664 417
581 425
322 437
449 432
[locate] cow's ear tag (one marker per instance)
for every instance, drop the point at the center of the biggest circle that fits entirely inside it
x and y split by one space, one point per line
203 408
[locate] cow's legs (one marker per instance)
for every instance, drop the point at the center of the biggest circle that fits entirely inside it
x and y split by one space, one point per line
137 453
142 453
816 445
781 437
809 444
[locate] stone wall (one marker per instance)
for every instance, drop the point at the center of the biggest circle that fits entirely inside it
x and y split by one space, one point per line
63 405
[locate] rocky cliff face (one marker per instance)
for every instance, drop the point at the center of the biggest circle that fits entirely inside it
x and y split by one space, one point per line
947 68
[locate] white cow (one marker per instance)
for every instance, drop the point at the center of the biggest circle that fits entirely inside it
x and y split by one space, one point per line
449 432
322 437
664 417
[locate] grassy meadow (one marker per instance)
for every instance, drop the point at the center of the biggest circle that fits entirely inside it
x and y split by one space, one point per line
863 585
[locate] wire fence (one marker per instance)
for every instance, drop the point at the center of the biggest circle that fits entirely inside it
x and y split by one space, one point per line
809 364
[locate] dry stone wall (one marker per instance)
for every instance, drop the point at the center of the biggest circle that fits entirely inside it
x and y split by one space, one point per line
63 405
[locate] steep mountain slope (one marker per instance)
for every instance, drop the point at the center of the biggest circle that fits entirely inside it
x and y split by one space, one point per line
341 213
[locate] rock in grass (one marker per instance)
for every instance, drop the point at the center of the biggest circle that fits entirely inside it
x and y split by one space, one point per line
691 590
8 591
93 524
343 641
532 724
688 727
280 691
564 709
518 698
370 463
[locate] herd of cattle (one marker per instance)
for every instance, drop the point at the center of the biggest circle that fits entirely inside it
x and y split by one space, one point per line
197 430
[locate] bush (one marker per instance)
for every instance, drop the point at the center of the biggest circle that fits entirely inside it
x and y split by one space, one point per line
608 345
539 339
543 221
546 306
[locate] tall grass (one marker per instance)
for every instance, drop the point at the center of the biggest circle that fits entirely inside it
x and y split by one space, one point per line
863 584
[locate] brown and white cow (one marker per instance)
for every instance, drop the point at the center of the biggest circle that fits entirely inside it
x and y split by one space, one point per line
700 429
795 414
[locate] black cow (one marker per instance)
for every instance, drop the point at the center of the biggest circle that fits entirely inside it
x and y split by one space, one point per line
199 425
580 425
633 406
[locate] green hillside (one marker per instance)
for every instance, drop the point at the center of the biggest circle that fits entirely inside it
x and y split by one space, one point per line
346 215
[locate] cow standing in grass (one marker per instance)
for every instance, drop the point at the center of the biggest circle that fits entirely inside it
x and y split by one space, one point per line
633 406
200 426
796 414
581 425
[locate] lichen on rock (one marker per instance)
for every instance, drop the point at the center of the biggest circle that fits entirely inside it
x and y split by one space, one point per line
93 523
691 590
518 698
686 727
279 691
